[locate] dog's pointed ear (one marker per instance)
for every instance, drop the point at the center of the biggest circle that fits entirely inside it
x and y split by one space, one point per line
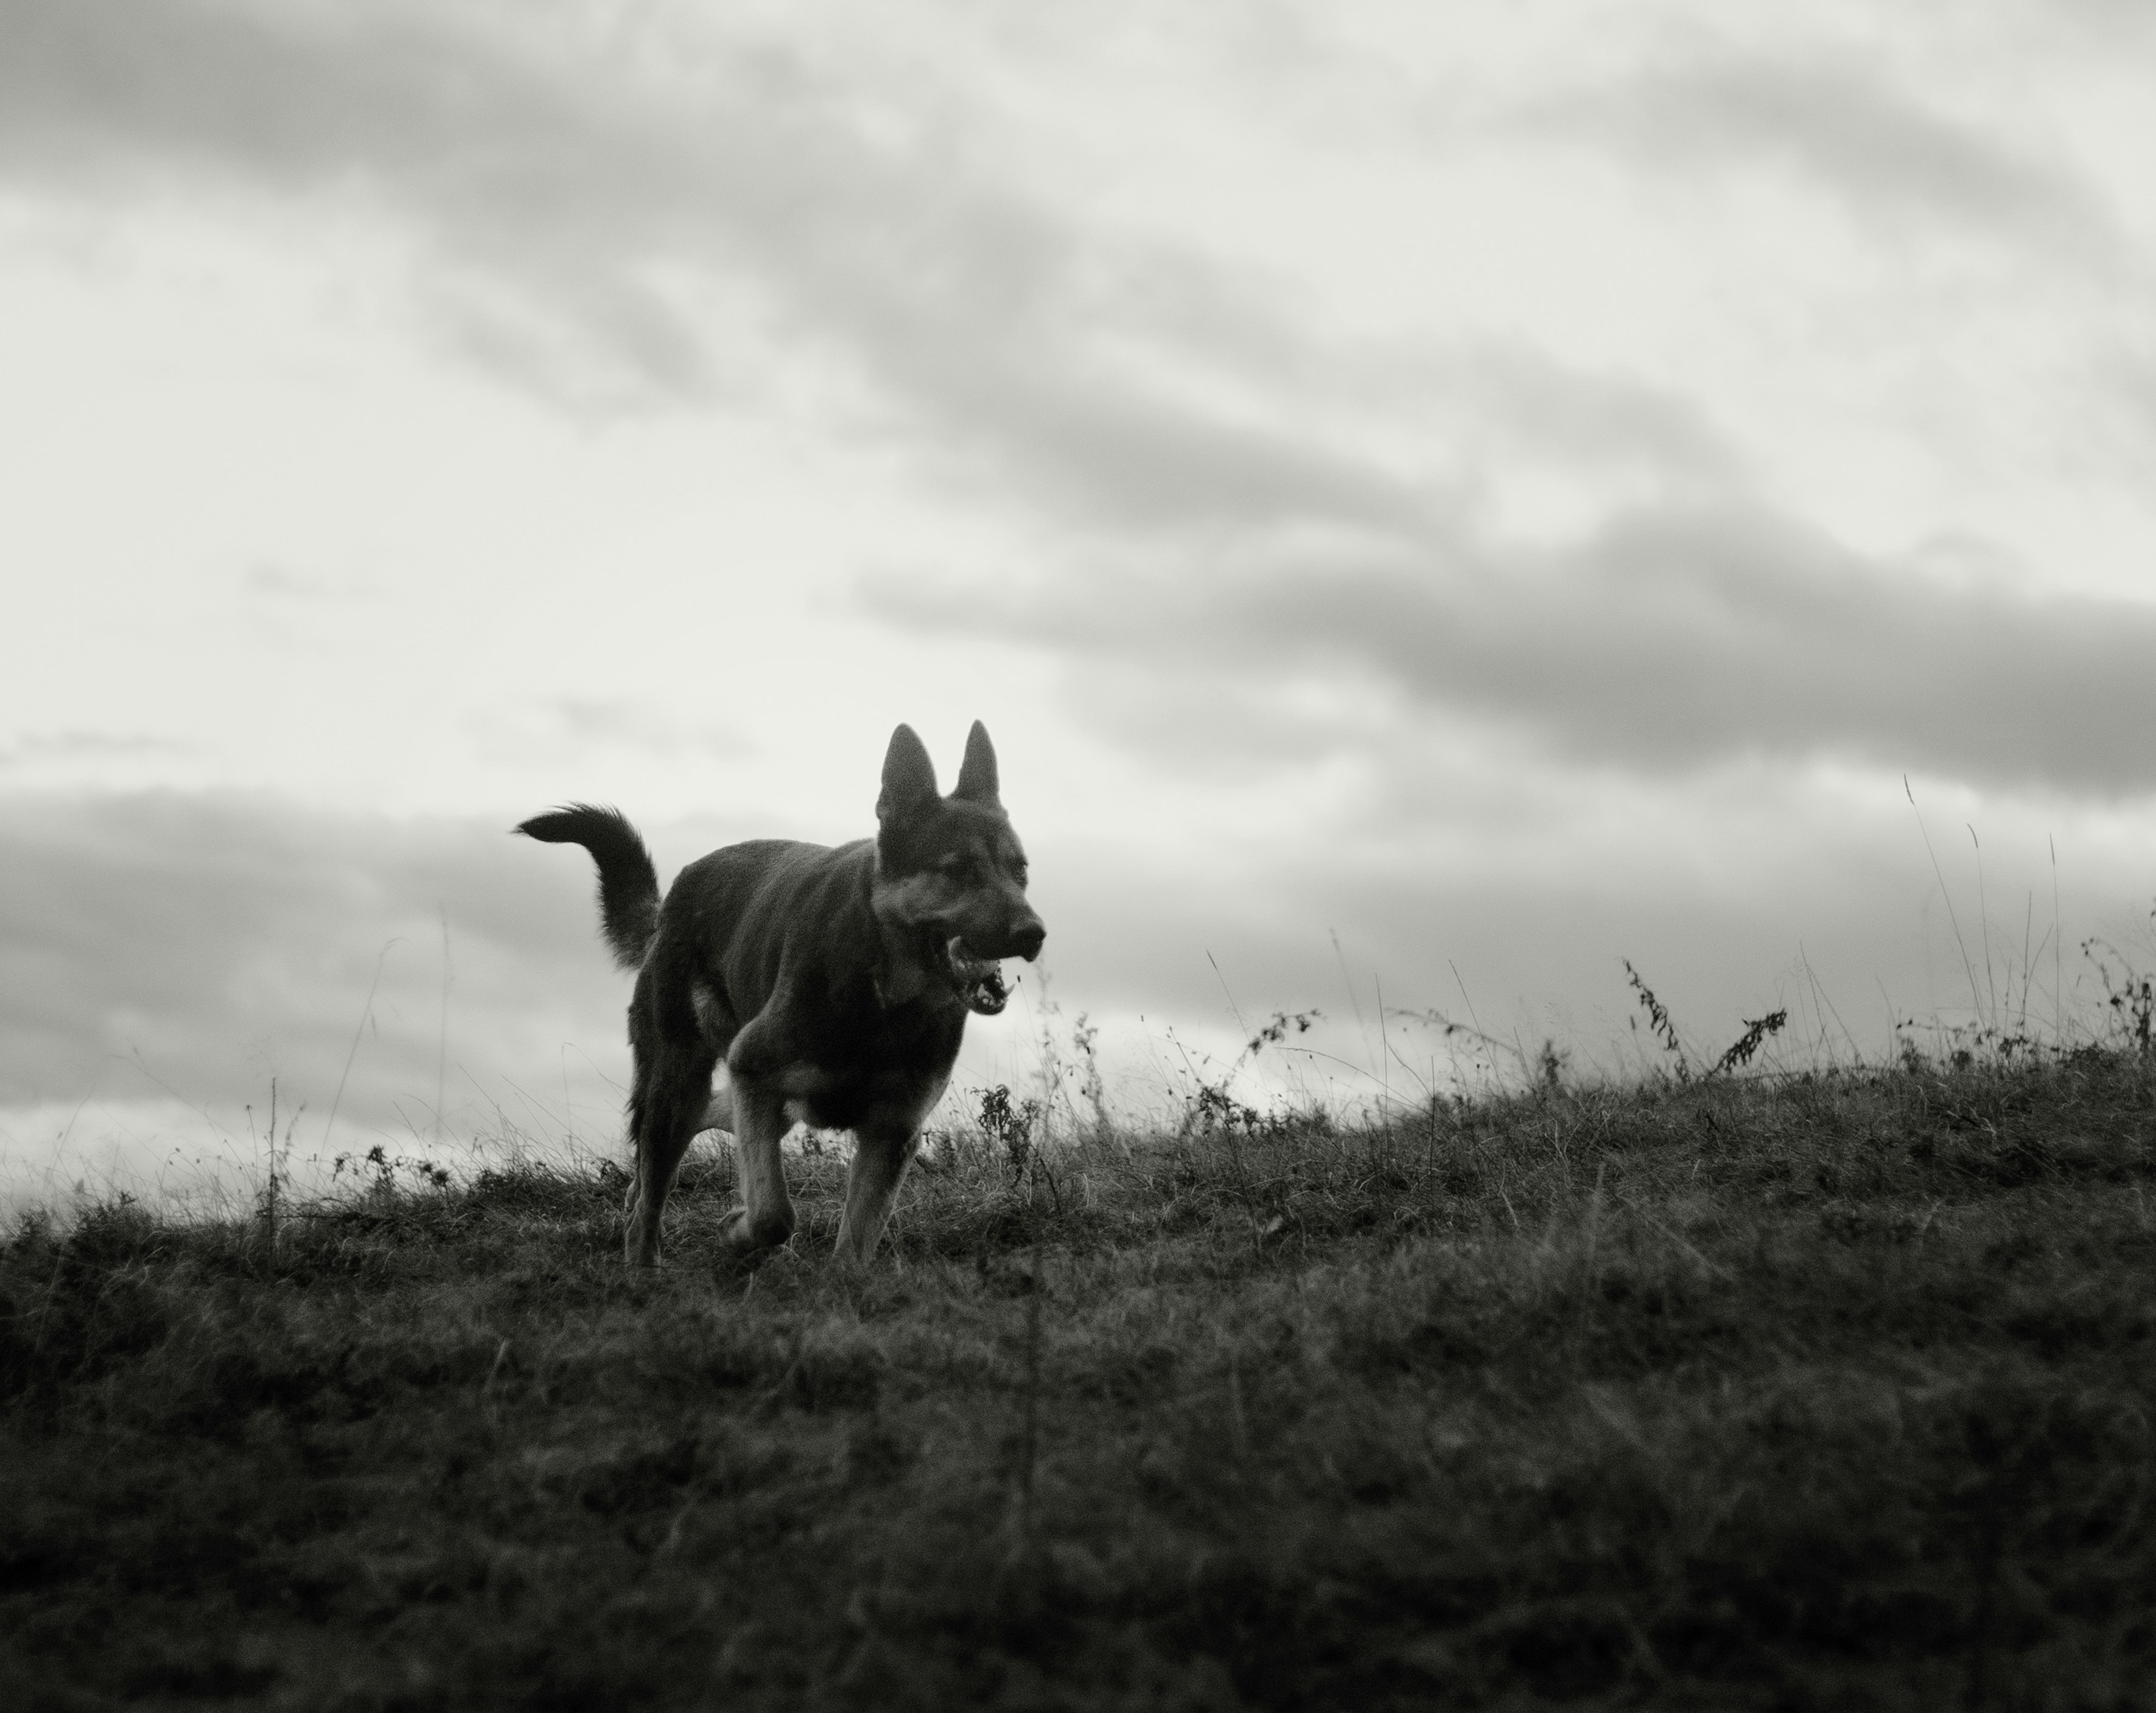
909 778
976 777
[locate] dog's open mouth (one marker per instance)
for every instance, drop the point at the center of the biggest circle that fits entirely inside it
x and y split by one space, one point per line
978 981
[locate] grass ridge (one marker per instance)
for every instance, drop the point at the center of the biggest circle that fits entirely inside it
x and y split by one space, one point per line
1827 1389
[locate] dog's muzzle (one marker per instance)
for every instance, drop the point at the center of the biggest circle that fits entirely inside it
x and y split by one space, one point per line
976 971
978 981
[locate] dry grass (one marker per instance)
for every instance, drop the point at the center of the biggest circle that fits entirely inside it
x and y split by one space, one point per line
1837 1391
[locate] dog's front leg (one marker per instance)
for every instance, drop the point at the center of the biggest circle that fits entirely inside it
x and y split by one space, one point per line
880 1163
885 1143
765 1218
764 1073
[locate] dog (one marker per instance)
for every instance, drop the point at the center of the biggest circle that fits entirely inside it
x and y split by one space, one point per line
835 985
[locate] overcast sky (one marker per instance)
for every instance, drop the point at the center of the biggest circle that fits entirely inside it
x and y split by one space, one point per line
1433 500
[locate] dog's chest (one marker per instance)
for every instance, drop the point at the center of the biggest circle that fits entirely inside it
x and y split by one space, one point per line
849 1061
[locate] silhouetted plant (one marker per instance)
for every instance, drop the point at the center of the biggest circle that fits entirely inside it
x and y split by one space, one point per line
1009 1124
1758 1031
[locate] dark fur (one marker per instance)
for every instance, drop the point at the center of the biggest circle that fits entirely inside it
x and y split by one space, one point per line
835 985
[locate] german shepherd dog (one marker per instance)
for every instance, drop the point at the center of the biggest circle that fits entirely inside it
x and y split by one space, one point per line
834 984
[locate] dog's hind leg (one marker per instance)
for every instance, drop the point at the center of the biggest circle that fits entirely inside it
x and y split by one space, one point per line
672 1093
765 1218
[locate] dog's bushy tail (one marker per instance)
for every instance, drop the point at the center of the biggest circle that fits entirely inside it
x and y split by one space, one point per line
629 885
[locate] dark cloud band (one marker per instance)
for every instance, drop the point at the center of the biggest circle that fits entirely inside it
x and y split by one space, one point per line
1670 640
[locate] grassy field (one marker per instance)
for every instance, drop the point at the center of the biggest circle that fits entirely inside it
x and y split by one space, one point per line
1831 1391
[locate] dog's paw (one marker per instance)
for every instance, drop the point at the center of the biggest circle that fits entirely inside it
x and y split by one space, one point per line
734 1230
740 1236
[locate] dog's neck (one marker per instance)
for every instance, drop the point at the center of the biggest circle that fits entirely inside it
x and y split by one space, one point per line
901 976
899 980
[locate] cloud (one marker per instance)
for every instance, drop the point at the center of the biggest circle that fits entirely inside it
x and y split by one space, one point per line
1534 406
1886 155
683 229
556 731
279 583
295 95
1670 640
678 232
36 748
1247 495
202 944
507 156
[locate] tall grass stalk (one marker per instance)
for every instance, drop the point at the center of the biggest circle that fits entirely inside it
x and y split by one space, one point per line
366 1012
1975 997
